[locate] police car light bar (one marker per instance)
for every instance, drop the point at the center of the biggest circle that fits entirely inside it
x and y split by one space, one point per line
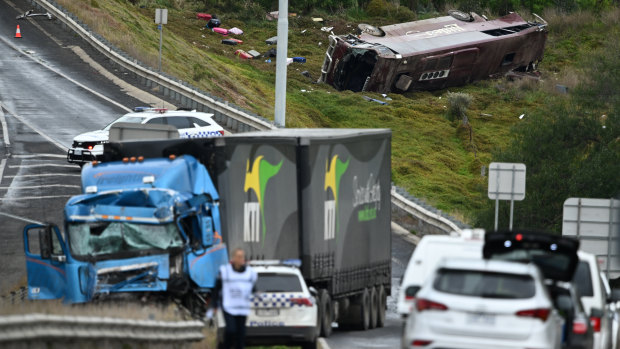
141 109
274 262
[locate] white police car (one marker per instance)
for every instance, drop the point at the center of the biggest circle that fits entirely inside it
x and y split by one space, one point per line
284 310
191 124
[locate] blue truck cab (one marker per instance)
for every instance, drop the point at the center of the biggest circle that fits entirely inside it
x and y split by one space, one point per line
140 226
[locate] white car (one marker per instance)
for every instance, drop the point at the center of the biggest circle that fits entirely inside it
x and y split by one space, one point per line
284 310
430 251
596 299
476 303
191 124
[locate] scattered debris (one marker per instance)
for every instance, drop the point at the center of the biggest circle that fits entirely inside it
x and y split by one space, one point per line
374 100
230 42
304 31
433 53
271 16
289 61
243 55
521 116
214 22
271 53
561 89
268 61
220 31
235 31
487 115
272 41
30 13
203 16
327 29
320 43
317 19
306 74
299 59
254 53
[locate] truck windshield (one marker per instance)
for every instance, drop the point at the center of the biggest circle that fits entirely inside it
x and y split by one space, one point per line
103 238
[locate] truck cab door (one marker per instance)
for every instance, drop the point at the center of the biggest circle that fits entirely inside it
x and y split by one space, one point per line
45 261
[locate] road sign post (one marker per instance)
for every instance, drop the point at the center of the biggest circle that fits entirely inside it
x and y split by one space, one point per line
506 182
161 18
282 54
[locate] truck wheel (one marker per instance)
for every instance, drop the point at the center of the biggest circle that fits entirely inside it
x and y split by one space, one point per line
374 307
382 295
363 322
325 312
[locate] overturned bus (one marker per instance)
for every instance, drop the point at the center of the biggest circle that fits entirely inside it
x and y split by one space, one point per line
433 53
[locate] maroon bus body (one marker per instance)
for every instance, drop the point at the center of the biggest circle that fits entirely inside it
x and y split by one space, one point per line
433 54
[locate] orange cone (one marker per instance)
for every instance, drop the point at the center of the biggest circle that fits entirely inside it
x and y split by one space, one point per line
18 33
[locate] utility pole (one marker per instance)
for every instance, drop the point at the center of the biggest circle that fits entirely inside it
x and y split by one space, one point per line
161 18
282 54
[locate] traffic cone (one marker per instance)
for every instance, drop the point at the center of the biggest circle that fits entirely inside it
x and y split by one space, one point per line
18 33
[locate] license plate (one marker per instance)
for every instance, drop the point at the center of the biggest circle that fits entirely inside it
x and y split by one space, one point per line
77 152
481 319
267 312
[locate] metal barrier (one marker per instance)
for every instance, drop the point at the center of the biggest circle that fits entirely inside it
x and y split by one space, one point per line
20 328
430 220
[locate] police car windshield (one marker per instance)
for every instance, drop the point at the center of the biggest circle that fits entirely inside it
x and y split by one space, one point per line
126 118
278 282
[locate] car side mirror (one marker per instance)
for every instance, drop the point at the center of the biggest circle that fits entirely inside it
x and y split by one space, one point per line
45 242
313 291
614 296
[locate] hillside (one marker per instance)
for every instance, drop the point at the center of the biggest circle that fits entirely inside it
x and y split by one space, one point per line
432 156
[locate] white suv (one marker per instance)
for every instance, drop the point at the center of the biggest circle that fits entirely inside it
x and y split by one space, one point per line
191 124
284 310
475 303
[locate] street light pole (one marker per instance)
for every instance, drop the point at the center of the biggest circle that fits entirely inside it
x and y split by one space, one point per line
282 54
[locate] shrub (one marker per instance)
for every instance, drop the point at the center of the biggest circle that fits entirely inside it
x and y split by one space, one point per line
458 102
377 8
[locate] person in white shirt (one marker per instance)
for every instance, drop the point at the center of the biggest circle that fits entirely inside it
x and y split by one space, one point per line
235 284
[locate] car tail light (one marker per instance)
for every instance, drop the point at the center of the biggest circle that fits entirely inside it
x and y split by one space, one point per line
542 313
424 304
302 301
596 323
580 327
420 342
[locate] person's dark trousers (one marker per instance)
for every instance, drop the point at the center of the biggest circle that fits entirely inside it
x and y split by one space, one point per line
235 331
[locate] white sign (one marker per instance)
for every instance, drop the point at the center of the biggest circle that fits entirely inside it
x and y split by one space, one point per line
161 16
506 181
591 217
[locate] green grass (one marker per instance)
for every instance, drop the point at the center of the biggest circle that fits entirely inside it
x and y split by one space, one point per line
431 156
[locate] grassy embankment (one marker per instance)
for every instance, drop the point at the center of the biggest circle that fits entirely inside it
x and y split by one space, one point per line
432 156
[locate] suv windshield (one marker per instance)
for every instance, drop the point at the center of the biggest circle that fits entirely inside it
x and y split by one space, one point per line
103 238
483 284
130 119
274 282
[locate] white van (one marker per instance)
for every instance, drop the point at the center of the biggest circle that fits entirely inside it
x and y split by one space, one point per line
427 255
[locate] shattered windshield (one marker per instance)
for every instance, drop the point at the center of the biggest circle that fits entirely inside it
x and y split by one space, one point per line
102 238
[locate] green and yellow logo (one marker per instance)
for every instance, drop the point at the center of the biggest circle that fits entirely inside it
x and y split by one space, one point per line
334 170
256 178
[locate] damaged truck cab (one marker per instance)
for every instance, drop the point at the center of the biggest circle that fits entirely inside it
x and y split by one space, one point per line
433 53
140 226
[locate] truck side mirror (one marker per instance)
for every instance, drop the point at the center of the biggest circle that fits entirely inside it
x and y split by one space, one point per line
45 242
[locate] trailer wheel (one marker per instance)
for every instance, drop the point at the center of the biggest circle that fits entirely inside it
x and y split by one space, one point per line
364 311
374 307
325 312
382 295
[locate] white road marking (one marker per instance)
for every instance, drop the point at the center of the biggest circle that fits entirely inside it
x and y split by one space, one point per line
42 165
2 164
111 101
398 262
23 219
42 155
5 129
46 175
41 186
35 129
35 197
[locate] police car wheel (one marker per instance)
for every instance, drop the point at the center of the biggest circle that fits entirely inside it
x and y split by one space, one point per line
374 307
382 295
325 313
